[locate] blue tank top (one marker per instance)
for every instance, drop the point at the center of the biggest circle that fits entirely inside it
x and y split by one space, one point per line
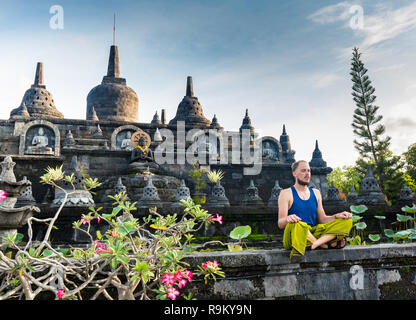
304 209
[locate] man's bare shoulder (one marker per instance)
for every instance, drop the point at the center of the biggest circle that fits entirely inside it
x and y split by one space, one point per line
317 192
285 192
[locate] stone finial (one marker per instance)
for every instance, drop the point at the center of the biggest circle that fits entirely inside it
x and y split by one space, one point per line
24 112
214 123
182 193
74 164
333 193
352 196
163 116
246 123
406 193
113 63
274 197
189 109
217 197
26 198
370 192
120 187
156 119
157 136
284 130
189 87
317 160
69 139
7 173
77 195
252 197
94 115
39 76
150 196
99 133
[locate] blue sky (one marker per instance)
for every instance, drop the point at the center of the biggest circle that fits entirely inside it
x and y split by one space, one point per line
286 61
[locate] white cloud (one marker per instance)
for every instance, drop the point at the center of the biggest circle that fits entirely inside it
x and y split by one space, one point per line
332 13
325 80
384 24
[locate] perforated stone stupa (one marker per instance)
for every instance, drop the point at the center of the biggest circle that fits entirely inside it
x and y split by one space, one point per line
37 102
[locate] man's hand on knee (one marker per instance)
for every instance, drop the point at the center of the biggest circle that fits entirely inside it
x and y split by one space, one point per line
293 218
344 215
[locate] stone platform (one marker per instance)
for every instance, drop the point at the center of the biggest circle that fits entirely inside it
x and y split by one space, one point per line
376 272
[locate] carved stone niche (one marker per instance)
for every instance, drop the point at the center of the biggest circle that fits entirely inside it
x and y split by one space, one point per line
119 135
39 137
271 149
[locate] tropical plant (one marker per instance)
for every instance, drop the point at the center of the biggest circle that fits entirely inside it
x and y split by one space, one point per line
130 260
239 233
215 175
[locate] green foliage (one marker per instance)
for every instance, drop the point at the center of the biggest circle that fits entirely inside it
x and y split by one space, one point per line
410 158
358 209
344 178
371 145
140 257
240 232
374 237
197 175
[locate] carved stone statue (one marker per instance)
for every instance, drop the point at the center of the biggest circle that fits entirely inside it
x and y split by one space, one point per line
126 142
268 152
40 144
142 158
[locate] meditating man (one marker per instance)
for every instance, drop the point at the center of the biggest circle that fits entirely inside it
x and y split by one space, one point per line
301 215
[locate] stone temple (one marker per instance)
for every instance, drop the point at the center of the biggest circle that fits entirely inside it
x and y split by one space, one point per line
112 145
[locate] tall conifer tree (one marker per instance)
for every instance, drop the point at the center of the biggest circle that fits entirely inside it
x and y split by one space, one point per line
372 147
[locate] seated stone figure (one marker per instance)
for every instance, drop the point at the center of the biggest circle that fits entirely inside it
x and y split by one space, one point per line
126 142
40 144
268 152
142 158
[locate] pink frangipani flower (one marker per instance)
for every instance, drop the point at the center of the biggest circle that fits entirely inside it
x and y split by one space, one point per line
168 279
172 293
217 218
2 195
188 275
60 293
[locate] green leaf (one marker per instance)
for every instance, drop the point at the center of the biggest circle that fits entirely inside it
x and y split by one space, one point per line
389 233
380 217
361 225
412 236
240 232
99 235
374 237
356 218
409 209
47 252
116 210
232 247
19 237
403 218
358 209
401 234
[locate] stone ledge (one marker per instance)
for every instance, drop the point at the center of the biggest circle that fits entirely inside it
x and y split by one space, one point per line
387 271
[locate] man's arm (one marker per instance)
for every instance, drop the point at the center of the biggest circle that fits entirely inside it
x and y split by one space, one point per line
283 205
320 212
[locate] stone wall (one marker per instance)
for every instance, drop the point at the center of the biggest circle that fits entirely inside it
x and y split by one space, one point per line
377 272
